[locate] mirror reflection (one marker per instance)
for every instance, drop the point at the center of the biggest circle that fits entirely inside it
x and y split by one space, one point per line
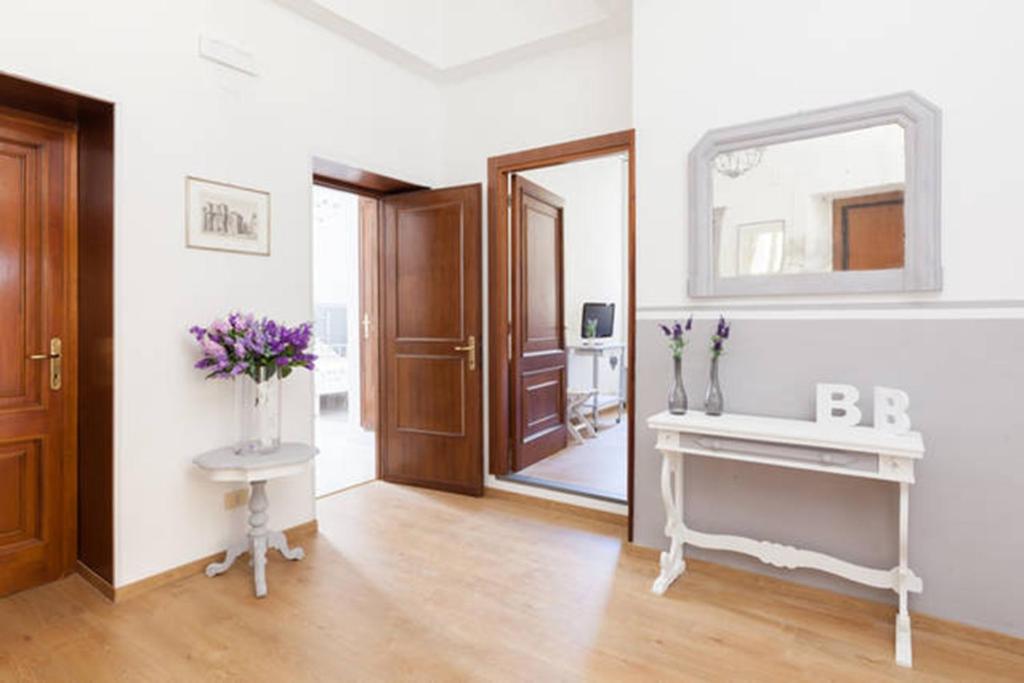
818 205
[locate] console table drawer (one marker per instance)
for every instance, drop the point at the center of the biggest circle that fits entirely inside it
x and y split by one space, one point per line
747 449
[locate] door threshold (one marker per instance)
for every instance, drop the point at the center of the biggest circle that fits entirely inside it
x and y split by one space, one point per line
562 487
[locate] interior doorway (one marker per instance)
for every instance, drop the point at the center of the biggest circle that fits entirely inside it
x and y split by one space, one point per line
397 297
561 310
344 288
584 204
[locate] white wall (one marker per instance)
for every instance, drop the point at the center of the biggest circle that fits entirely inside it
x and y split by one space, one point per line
178 115
594 236
705 65
573 93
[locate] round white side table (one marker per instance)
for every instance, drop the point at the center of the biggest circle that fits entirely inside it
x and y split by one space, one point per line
256 469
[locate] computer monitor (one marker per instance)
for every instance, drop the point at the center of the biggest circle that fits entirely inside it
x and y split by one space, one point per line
604 314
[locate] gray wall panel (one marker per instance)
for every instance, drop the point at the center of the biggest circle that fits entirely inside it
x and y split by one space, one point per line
965 380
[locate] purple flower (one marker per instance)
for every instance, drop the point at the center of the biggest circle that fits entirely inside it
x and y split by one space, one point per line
676 336
212 348
719 337
259 348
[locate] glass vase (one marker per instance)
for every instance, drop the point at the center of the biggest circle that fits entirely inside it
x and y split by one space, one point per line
259 413
713 399
677 394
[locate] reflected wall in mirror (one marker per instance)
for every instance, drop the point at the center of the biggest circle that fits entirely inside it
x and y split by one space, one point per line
837 200
812 206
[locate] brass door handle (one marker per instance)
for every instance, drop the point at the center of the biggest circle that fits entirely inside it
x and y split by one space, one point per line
54 356
470 348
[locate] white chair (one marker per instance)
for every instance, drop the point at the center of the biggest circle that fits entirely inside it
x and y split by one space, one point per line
579 424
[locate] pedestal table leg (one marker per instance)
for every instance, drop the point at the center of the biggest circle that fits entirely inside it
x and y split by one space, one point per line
232 554
258 505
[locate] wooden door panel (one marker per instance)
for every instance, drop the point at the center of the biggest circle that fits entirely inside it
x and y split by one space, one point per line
542 282
20 278
429 244
868 232
20 486
544 399
445 413
431 428
538 361
37 285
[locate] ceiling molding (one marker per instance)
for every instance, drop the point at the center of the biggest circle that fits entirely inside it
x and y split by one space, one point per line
335 23
617 21
614 25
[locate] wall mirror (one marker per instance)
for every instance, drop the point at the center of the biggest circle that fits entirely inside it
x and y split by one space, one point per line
838 200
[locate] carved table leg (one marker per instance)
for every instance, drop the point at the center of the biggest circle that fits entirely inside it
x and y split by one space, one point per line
232 554
672 563
279 542
258 505
904 652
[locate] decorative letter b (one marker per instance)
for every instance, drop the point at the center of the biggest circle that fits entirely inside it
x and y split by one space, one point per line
837 405
891 410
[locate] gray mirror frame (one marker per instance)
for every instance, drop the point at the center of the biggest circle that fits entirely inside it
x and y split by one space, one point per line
922 270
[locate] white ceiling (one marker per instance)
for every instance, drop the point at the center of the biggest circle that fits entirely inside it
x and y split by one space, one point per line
449 37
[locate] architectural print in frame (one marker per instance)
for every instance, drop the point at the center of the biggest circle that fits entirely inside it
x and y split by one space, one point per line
226 217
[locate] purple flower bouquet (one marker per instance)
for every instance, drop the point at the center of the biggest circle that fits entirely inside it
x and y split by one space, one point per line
261 349
258 354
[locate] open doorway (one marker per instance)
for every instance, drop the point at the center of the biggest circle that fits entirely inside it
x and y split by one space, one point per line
398 318
344 289
562 306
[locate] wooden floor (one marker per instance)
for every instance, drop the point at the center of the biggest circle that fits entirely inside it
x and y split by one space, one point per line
406 584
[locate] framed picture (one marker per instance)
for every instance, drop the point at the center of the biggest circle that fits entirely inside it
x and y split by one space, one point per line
226 217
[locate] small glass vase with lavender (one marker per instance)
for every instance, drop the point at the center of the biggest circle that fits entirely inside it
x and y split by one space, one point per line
676 335
713 401
257 354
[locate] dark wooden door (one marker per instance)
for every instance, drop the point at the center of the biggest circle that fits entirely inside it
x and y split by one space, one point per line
538 358
37 245
867 232
431 399
368 318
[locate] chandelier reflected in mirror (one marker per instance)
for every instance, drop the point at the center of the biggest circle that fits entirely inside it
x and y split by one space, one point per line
734 164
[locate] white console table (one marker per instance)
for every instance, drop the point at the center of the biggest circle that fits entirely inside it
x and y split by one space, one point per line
256 469
796 444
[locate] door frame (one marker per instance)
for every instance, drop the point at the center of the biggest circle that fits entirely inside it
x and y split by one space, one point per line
358 181
89 486
499 168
